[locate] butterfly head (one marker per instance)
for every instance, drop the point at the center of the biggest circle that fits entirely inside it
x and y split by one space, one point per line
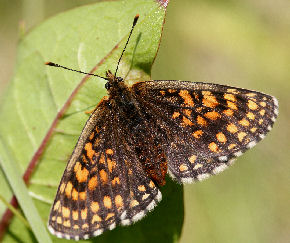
113 81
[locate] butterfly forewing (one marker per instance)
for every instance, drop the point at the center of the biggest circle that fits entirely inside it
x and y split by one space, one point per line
104 184
207 125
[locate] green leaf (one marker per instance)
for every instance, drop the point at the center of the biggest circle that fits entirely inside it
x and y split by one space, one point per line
12 172
80 39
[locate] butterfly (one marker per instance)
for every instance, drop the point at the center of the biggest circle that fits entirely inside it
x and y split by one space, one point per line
137 134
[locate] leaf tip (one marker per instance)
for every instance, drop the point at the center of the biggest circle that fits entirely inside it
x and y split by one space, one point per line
163 3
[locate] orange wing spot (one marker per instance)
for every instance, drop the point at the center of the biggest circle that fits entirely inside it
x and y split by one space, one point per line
206 93
192 159
186 97
186 121
262 112
228 112
232 105
261 121
107 202
141 188
59 220
68 189
111 165
231 146
201 121
109 151
221 137
102 159
75 195
183 167
95 207
92 135
213 115
115 181
241 136
83 196
234 91
175 115
110 215
187 112
251 94
65 212
213 147
93 183
151 184
252 105
96 218
244 122
56 206
197 166
230 97
90 151
251 116
232 128
162 92
97 130
77 167
66 223
263 104
76 227
81 174
84 213
254 129
62 187
134 203
104 176
75 215
119 201
172 90
85 226
197 134
145 196
209 100
199 109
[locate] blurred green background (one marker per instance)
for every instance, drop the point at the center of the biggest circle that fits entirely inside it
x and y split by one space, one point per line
244 43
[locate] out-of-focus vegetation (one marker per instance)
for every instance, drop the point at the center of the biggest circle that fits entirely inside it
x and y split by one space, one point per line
243 43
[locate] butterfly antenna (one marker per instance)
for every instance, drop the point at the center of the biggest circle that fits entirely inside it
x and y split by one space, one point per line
74 70
134 23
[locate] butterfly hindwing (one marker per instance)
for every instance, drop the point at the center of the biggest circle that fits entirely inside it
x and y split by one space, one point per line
207 125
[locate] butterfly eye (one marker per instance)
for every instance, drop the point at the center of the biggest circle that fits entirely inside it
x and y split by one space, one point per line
119 79
108 86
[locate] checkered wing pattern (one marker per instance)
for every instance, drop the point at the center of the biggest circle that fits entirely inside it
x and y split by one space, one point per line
104 183
206 125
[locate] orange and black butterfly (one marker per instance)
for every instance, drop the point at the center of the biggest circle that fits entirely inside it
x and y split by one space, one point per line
138 134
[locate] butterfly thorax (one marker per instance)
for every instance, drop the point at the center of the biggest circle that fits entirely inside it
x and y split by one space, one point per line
120 95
